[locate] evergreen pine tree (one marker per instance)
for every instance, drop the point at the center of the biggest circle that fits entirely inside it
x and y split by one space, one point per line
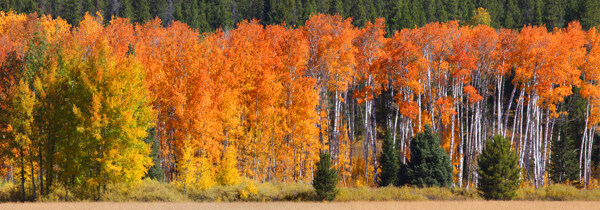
358 13
441 13
326 178
220 14
142 10
512 15
203 25
155 172
89 6
402 175
498 170
429 164
555 12
336 7
416 13
572 10
394 19
388 162
126 10
191 13
252 9
430 10
178 8
563 161
158 9
71 11
452 9
590 14
466 7
564 151
308 10
538 14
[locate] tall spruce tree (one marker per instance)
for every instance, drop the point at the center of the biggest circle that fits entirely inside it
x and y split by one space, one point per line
126 10
498 170
388 162
155 172
429 164
591 13
564 151
555 12
326 178
512 15
71 12
563 161
142 10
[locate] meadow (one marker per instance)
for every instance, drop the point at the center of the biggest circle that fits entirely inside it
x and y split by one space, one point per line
149 190
439 205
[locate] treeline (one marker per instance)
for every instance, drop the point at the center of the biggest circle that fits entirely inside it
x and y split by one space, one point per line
100 103
208 15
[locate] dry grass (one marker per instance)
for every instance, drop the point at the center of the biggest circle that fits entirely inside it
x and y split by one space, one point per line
437 205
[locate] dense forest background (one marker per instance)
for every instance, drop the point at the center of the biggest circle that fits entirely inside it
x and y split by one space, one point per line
208 15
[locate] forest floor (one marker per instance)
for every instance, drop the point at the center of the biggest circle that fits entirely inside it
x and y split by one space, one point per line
415 205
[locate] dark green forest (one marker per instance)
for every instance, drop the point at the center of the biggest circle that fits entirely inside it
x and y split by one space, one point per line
208 15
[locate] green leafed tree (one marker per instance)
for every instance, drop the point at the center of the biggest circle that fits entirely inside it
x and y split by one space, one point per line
498 170
326 178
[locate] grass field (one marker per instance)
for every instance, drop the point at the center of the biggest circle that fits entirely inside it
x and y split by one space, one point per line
435 205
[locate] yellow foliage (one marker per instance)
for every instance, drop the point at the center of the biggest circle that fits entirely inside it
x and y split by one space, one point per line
481 17
228 173
194 171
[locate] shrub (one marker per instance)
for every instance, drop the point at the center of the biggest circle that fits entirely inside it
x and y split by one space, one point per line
498 170
249 190
561 192
405 193
9 192
326 179
59 192
148 190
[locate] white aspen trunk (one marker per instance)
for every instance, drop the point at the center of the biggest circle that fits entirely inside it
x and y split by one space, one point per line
589 157
499 107
507 112
396 123
419 105
374 143
461 139
582 150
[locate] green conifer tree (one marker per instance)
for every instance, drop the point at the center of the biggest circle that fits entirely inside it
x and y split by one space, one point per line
142 10
326 178
388 162
591 13
429 164
155 171
512 15
71 12
498 170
